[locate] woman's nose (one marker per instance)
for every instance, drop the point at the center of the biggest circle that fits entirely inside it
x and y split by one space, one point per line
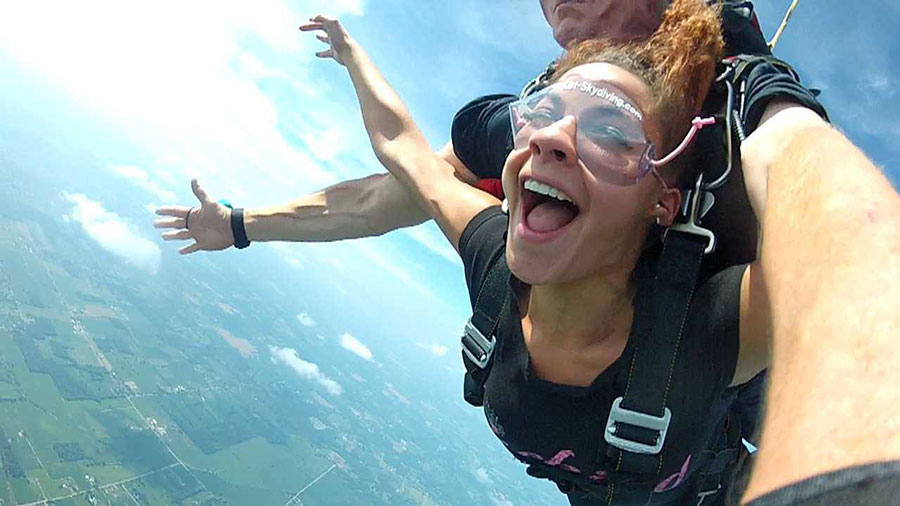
556 141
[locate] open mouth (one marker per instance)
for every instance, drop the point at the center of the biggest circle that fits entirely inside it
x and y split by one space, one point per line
546 209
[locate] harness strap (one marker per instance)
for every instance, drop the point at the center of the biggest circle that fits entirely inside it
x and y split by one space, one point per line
720 461
479 339
541 81
638 423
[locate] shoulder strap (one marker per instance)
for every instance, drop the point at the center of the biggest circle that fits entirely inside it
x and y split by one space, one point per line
479 337
639 420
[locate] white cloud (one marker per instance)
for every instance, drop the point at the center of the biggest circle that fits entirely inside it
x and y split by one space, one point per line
438 350
391 265
306 320
113 233
306 370
481 475
290 254
140 178
355 7
352 344
325 144
499 499
194 90
434 241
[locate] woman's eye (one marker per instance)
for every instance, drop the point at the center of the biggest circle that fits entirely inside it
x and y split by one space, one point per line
539 117
609 137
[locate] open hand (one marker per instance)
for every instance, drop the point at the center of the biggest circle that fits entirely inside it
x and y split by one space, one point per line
209 225
340 44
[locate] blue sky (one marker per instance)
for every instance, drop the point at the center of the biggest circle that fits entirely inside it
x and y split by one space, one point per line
230 92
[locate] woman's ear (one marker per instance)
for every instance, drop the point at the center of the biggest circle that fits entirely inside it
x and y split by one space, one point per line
668 207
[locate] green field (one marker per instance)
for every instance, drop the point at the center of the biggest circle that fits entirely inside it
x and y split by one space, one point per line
98 395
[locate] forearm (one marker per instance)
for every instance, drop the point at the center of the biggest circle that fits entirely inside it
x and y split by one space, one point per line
357 208
432 180
395 138
831 261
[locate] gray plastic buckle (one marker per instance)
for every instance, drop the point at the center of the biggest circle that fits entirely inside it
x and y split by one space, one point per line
618 414
484 346
698 206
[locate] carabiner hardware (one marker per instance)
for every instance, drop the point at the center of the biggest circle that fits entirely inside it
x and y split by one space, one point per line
695 211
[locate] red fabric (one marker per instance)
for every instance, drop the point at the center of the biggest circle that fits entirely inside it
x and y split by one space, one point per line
491 186
754 22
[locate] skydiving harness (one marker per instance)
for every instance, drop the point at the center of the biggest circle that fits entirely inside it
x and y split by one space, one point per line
639 420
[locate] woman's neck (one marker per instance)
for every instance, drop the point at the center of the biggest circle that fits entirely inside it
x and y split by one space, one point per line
583 313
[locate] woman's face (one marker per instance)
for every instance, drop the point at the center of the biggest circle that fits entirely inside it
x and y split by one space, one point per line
575 209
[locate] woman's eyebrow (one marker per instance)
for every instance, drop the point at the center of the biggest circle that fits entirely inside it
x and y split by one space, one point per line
556 103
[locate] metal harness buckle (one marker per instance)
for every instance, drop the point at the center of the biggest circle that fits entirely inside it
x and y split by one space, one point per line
618 414
476 346
695 211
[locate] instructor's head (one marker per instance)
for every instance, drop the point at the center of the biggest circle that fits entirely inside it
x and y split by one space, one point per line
618 20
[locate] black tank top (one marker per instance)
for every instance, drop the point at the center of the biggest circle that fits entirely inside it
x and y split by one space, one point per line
561 426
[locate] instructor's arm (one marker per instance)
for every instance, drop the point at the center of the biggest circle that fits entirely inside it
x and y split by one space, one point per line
830 263
365 207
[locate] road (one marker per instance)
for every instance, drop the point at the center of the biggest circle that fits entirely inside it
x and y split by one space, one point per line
101 487
304 489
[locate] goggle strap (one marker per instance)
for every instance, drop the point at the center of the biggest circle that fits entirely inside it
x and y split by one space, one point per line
696 125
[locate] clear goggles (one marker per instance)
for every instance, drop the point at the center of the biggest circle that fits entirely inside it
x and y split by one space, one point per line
610 141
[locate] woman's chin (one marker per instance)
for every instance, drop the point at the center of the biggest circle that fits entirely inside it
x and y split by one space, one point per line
532 270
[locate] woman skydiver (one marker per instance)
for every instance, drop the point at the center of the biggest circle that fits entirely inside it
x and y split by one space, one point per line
581 241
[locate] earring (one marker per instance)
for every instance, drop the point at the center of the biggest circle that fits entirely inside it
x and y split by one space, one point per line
504 207
658 221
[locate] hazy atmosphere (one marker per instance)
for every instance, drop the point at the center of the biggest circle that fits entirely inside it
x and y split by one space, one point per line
283 373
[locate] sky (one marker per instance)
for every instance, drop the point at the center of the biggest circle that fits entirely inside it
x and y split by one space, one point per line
230 92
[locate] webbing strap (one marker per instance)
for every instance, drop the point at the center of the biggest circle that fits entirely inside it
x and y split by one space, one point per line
489 304
492 297
743 63
657 343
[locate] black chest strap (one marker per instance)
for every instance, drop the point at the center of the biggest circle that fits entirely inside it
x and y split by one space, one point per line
639 420
479 338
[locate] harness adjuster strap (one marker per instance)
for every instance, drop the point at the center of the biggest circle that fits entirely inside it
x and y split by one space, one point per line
619 415
476 346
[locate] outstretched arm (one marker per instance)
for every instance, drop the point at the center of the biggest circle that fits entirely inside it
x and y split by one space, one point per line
831 237
397 141
370 206
365 207
357 208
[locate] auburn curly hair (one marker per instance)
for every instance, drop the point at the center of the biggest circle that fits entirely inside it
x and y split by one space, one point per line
678 64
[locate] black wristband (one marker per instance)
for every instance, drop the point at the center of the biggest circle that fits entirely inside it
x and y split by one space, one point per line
237 228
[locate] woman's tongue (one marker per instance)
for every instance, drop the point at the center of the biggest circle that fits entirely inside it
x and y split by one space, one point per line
550 215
